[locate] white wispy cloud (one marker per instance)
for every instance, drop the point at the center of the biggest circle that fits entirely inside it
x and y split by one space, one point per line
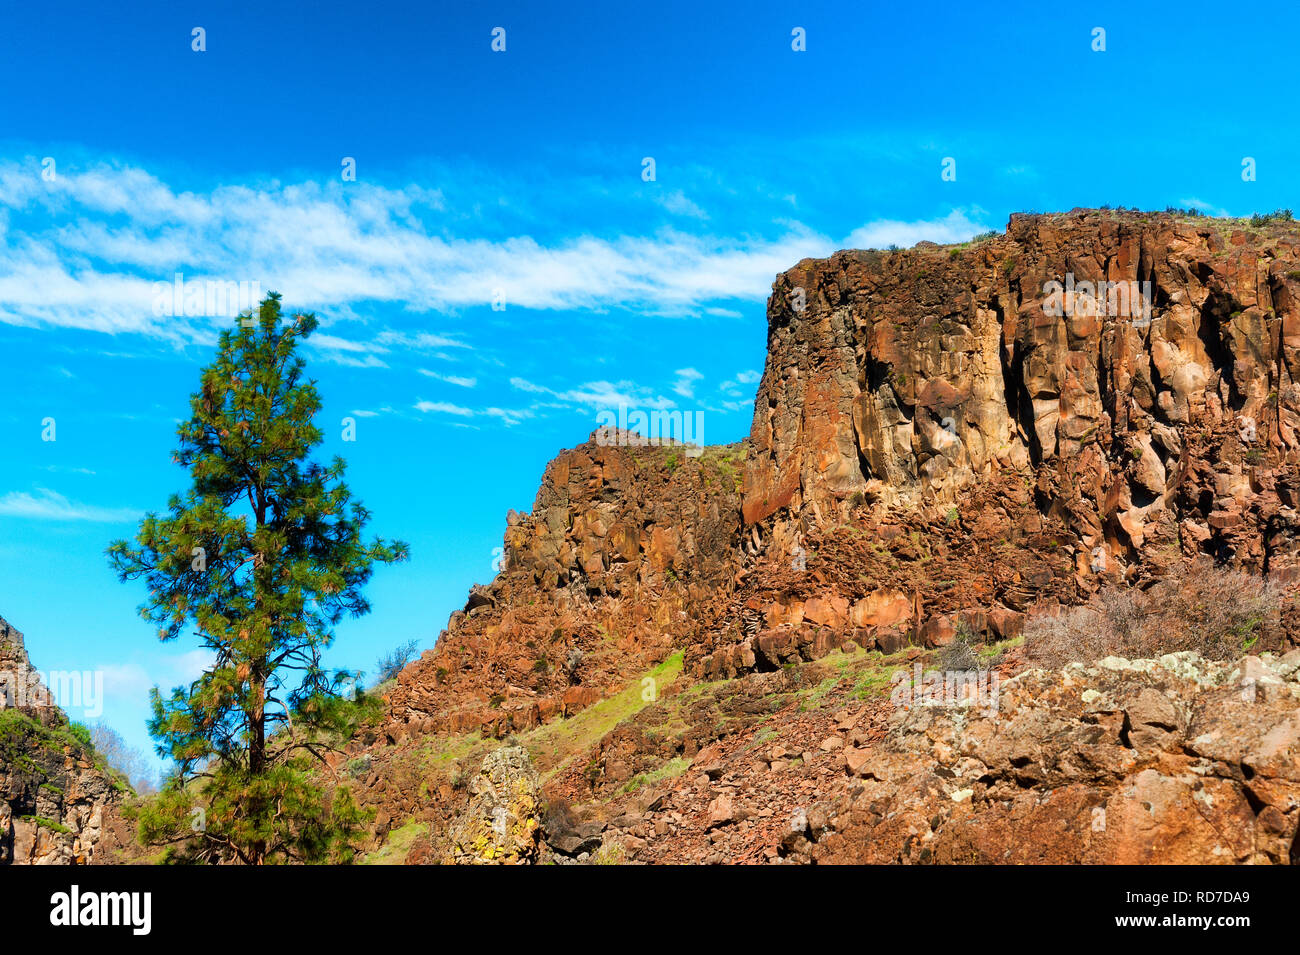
99 239
955 227
1200 205
506 416
444 407
132 680
601 394
47 505
685 383
416 341
349 361
457 380
676 202
365 352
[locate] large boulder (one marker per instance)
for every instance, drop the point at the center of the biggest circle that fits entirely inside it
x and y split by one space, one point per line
501 825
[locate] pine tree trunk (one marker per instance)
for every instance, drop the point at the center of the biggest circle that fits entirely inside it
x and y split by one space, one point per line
257 691
257 757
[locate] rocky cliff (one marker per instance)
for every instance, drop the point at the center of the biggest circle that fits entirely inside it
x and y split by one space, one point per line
1143 370
950 445
54 791
1088 399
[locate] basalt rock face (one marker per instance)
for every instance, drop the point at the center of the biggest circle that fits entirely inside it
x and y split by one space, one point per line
945 444
54 796
20 686
912 377
619 513
942 438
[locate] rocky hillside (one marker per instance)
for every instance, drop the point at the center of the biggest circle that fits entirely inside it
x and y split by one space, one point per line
1176 760
701 656
54 791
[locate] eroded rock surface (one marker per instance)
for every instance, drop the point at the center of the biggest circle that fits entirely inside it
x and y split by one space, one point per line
913 376
944 445
502 823
623 545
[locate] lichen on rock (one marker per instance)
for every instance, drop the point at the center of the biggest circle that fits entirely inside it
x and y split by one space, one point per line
501 825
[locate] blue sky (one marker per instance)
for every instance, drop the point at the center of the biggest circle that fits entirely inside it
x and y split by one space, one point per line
517 176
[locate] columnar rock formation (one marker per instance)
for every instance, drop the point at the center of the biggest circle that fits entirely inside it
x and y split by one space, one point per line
913 376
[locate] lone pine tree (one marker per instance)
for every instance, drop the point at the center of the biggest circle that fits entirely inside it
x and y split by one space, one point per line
262 556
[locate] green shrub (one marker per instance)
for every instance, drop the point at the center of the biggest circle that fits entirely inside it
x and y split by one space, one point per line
1277 215
81 733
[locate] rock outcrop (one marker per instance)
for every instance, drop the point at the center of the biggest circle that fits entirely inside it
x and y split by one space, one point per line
624 540
1085 401
502 823
54 793
21 688
947 443
996 412
913 376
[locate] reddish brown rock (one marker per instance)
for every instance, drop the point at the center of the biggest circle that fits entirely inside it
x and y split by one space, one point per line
911 376
933 448
57 798
937 631
1121 762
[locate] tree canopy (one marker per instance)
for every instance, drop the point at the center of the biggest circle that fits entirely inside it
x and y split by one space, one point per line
261 558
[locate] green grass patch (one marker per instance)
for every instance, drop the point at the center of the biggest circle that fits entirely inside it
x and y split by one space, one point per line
815 698
862 674
554 745
669 770
21 736
48 824
398 844
990 650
